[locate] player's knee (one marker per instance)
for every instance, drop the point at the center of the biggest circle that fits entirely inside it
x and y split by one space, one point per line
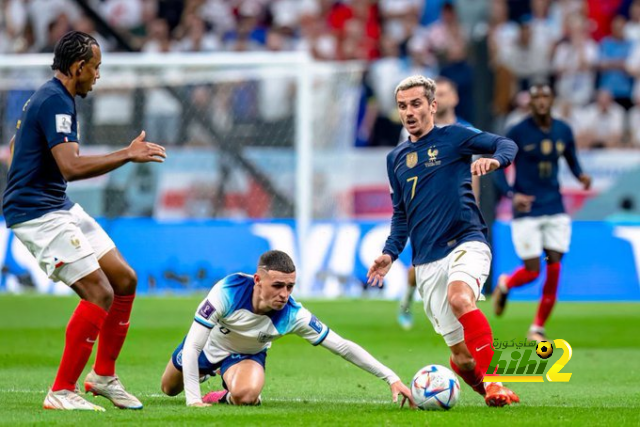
128 281
534 271
170 389
105 297
461 302
246 396
101 294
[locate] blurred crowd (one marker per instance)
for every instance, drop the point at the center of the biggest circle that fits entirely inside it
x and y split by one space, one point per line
589 50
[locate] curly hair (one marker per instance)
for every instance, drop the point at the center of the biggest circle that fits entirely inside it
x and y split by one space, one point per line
73 46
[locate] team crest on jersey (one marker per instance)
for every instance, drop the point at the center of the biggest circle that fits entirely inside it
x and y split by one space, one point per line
412 159
265 338
75 242
560 146
206 310
546 146
315 324
433 157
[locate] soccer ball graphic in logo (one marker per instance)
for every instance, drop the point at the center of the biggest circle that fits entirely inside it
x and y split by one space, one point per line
435 387
544 349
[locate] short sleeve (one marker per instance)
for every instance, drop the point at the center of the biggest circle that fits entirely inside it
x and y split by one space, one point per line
57 119
309 327
212 308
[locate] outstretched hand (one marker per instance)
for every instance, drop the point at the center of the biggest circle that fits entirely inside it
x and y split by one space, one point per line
379 269
141 151
483 166
397 389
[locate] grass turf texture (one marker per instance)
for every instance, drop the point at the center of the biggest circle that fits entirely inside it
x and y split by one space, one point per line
310 386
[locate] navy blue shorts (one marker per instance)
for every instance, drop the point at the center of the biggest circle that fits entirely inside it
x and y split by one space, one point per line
207 368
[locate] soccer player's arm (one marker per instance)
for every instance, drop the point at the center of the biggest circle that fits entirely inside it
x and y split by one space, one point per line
473 141
571 156
317 333
56 117
500 177
205 319
399 234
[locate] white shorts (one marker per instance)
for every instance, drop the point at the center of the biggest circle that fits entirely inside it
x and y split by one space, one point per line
531 235
469 262
67 244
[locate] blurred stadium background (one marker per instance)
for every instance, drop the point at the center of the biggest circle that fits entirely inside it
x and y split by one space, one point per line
277 117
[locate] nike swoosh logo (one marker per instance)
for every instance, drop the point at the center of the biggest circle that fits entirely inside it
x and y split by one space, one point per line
90 341
480 348
124 323
529 147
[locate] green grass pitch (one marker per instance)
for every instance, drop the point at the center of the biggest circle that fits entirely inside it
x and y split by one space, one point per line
310 386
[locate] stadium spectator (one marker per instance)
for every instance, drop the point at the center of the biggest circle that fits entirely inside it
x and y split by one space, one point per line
574 62
526 60
614 51
632 26
234 326
633 121
600 124
197 37
633 68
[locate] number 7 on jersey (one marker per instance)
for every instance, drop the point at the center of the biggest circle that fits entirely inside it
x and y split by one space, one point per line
413 187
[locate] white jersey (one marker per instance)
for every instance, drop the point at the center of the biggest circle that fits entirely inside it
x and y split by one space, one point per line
235 329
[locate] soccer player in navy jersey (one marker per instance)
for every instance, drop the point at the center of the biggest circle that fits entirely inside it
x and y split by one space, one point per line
447 98
430 177
69 245
233 328
540 223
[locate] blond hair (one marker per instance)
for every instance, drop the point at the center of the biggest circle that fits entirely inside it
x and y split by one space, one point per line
419 81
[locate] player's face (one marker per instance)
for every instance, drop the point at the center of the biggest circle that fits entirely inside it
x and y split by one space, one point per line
275 287
89 73
446 97
541 101
415 111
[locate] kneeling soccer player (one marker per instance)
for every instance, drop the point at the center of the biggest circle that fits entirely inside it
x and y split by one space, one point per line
234 326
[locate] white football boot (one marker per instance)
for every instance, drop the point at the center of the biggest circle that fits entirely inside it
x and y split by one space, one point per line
112 389
70 401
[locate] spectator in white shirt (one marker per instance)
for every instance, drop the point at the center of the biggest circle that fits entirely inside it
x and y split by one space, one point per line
601 124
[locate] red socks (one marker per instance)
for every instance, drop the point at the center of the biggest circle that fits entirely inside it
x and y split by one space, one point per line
478 338
521 277
479 341
549 292
113 335
82 332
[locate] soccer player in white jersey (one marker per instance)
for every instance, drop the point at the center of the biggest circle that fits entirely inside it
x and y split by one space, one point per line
234 326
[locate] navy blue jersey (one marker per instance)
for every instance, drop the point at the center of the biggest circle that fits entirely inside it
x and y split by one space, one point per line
537 165
431 191
35 184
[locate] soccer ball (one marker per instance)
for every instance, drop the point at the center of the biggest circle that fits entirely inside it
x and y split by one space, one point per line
544 349
435 387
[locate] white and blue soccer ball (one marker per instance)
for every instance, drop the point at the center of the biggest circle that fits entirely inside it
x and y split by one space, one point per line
435 387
